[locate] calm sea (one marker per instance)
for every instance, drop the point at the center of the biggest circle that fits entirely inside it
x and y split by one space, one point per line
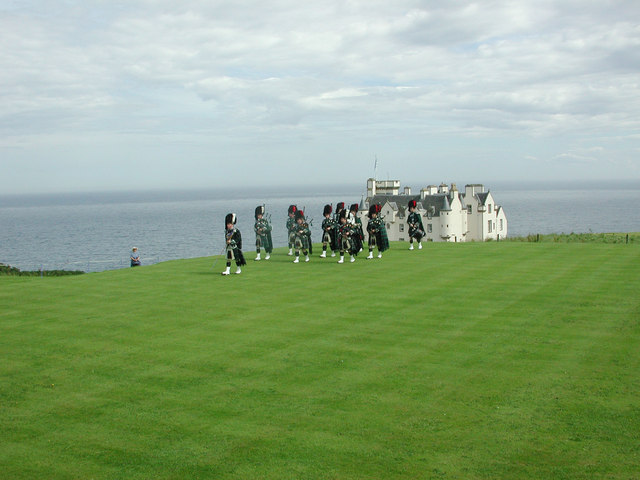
94 232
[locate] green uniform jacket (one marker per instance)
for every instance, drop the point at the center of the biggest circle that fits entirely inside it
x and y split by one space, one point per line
263 235
377 229
416 229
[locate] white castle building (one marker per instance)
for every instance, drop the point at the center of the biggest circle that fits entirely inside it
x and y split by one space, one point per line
447 214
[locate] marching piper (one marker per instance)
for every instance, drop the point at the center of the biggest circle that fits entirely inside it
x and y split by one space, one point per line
346 238
377 231
328 232
416 229
263 228
233 240
302 238
291 225
353 219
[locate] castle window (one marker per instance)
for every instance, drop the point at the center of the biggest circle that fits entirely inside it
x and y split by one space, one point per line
489 208
501 225
489 224
401 227
469 209
429 228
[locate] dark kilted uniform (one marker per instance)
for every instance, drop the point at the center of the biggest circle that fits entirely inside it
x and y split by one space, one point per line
347 238
329 234
291 223
358 232
302 237
233 240
377 231
263 228
416 229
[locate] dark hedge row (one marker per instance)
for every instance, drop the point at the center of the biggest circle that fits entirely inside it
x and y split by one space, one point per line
13 271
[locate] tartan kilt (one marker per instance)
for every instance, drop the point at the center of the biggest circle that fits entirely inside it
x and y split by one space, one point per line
265 242
382 240
351 244
237 255
332 239
356 245
346 244
302 241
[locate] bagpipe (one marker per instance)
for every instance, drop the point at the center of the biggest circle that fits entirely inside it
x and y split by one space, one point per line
414 229
264 223
375 225
307 222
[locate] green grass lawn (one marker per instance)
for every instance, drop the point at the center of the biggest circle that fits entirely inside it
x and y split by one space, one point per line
461 361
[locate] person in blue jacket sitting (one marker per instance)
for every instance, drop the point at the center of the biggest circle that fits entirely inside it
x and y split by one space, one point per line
135 257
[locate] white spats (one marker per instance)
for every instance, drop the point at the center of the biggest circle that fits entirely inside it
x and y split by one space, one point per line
238 271
227 271
258 258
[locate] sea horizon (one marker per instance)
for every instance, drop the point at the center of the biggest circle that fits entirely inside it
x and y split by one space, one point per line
156 194
94 231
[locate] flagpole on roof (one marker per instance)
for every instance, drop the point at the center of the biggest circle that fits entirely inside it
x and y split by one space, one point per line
375 168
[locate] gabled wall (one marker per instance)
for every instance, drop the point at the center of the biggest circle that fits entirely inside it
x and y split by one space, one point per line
453 224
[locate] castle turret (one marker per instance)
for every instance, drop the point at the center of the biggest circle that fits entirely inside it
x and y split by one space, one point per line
446 207
445 219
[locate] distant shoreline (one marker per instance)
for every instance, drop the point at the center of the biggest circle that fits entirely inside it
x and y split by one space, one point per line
575 237
277 191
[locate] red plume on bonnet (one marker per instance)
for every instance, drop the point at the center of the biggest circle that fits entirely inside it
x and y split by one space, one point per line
412 204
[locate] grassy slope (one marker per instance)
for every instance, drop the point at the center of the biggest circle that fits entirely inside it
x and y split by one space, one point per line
497 360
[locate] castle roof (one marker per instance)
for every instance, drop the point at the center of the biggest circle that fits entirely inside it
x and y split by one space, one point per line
445 206
430 203
482 197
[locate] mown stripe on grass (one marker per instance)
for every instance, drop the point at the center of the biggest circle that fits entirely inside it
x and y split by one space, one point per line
495 360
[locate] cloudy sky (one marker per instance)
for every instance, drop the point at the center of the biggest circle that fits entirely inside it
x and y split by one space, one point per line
103 95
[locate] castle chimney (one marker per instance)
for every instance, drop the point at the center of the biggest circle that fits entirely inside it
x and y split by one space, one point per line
371 187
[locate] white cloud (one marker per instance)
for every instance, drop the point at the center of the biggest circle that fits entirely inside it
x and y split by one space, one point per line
287 76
